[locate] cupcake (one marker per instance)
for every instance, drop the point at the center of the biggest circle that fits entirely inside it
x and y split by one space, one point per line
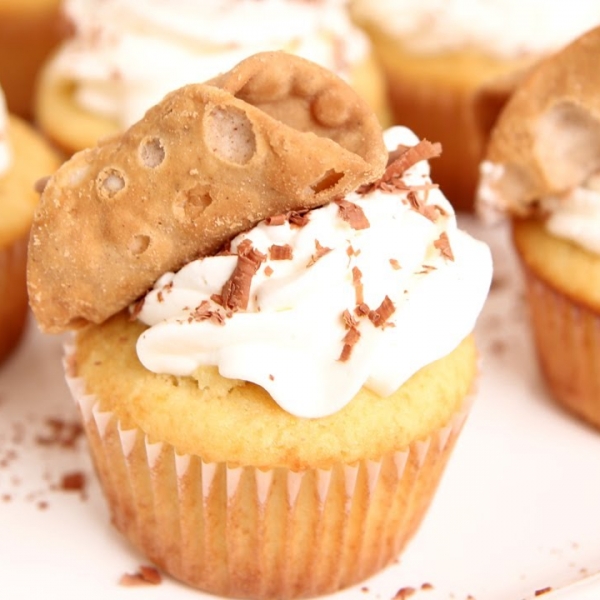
28 33
274 353
24 158
543 169
124 57
451 66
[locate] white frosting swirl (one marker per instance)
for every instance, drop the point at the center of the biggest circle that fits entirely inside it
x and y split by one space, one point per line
290 338
576 216
5 153
126 55
502 28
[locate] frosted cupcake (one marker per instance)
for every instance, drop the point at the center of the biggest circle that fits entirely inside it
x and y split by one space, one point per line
271 418
24 158
29 30
125 56
452 64
543 169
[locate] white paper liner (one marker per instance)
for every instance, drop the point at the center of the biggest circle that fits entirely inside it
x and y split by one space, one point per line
253 533
567 337
13 294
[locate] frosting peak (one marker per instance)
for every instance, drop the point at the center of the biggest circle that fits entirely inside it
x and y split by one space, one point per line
127 54
503 28
345 296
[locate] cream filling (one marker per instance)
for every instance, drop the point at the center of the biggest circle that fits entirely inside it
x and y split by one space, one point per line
126 55
291 337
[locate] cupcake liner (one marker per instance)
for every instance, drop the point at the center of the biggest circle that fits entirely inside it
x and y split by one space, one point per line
247 532
567 339
13 294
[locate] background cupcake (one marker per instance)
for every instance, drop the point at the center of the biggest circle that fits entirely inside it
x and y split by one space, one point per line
24 158
125 56
542 168
29 30
271 420
452 64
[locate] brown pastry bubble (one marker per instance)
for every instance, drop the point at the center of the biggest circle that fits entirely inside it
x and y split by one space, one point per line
152 152
228 133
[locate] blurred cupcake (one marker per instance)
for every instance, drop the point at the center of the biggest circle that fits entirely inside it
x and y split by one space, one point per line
125 56
271 419
24 158
28 32
452 64
543 169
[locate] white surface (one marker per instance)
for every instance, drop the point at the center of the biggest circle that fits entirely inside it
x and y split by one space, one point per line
517 510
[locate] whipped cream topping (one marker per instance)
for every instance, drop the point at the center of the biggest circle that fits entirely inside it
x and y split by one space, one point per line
576 216
573 216
297 337
501 28
126 55
5 153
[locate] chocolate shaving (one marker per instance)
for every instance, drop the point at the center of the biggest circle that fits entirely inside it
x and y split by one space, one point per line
400 160
380 315
349 320
353 214
410 156
429 211
299 219
236 291
320 253
145 576
405 592
443 245
205 312
268 271
276 220
358 286
280 252
362 309
136 309
395 264
350 340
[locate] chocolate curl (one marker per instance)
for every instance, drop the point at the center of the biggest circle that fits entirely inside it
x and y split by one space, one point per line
443 245
353 214
380 315
236 291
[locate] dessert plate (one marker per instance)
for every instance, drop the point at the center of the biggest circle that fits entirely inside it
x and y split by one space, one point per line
515 516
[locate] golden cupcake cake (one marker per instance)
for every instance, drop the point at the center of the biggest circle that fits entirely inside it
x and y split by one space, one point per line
124 57
24 158
452 65
543 169
29 30
274 312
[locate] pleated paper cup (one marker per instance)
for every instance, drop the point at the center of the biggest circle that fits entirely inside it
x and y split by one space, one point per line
13 294
246 532
567 339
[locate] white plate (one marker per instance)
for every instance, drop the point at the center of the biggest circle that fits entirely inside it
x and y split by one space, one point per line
517 510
